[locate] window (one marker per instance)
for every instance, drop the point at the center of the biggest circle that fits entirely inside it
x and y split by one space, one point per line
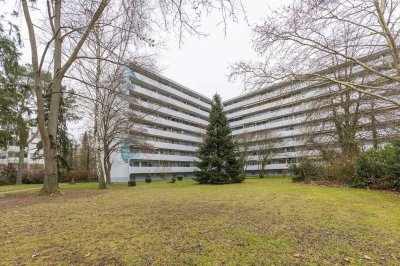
134 163
290 149
282 161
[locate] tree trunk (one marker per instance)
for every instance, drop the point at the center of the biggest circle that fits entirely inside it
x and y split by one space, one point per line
107 163
96 131
50 185
375 136
108 169
22 134
88 159
261 173
51 179
99 166
20 171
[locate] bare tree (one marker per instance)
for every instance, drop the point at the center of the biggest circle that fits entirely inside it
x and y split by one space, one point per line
298 41
244 142
68 24
48 131
263 148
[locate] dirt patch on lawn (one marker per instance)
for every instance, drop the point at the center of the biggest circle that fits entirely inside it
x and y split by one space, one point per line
13 201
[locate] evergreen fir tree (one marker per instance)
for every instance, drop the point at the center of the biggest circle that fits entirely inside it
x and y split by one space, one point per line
219 162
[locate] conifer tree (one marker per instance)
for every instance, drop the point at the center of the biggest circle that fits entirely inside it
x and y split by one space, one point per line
219 162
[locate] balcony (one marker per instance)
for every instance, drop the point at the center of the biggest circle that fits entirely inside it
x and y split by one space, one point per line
169 123
173 135
171 146
155 170
153 95
171 90
164 110
164 157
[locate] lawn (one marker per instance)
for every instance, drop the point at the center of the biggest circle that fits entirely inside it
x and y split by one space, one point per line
260 222
18 187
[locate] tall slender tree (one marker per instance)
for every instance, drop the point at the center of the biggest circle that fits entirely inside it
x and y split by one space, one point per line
65 28
219 163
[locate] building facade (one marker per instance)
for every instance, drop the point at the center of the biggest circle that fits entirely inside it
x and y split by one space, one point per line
172 122
289 120
313 118
32 157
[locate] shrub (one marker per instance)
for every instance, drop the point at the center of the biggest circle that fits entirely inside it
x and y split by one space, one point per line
179 177
172 180
339 169
379 168
148 179
33 177
8 175
81 176
132 183
305 170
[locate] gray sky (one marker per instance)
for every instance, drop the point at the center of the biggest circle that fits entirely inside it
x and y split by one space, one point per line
202 63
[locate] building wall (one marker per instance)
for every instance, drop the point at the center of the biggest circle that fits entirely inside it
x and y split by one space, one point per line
173 124
176 117
292 113
33 157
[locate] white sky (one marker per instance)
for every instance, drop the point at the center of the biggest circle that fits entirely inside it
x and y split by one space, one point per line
202 64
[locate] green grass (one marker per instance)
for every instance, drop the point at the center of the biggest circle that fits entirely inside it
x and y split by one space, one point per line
267 221
18 187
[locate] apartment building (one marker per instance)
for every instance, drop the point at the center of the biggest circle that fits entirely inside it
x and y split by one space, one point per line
32 158
298 118
172 122
291 119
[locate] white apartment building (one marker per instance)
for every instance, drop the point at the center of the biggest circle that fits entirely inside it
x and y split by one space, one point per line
173 125
297 117
176 118
33 156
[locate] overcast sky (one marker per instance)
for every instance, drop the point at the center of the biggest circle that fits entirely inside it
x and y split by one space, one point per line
202 63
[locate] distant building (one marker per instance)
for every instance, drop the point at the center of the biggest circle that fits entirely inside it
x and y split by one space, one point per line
33 156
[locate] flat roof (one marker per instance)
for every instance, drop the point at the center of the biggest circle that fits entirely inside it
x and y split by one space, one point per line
153 75
323 71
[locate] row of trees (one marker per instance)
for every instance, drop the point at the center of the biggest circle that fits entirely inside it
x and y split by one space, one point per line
87 44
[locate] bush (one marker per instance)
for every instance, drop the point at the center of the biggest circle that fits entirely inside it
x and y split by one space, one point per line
148 179
172 180
81 176
305 170
132 183
379 168
339 169
8 175
33 177
180 178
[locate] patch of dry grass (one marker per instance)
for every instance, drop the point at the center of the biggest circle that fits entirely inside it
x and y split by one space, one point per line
269 221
